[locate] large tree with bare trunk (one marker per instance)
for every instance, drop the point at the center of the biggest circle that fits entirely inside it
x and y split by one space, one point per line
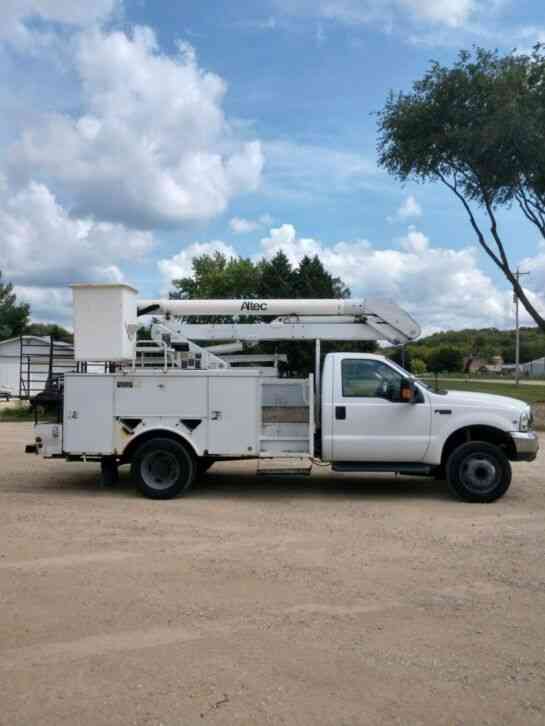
477 127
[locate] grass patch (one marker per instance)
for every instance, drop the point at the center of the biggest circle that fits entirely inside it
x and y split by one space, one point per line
530 394
19 413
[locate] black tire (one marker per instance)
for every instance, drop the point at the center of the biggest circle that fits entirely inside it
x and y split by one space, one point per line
478 472
163 468
203 464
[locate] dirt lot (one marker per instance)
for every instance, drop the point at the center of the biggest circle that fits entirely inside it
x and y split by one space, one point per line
330 600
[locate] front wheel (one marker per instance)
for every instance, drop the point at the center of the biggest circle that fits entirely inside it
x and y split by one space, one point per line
163 468
478 472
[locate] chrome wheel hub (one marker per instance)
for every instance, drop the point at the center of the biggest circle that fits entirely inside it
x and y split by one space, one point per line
479 472
160 469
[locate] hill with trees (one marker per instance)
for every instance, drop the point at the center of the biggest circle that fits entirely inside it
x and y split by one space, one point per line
446 351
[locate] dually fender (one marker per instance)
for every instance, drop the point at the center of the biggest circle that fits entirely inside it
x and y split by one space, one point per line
148 432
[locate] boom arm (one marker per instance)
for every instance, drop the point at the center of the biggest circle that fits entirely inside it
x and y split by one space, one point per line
296 319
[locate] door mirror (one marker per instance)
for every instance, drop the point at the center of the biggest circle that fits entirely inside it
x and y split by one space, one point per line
407 391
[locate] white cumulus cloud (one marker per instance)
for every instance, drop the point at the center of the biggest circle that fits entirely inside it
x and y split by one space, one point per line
444 288
448 13
16 15
240 225
409 209
47 304
42 245
453 13
535 281
152 146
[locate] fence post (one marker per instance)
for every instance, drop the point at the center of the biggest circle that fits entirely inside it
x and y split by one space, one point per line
21 373
51 354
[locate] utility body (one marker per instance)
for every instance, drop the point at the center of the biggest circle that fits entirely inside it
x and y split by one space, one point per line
173 417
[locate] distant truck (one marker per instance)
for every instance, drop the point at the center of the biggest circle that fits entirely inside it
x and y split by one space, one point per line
173 419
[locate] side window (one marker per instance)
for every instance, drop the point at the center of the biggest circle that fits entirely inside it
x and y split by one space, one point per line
370 379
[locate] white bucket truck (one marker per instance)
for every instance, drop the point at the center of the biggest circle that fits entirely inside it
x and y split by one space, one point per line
170 407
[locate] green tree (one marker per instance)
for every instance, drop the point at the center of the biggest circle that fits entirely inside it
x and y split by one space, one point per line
14 316
477 127
446 358
402 355
418 367
311 280
219 277
276 277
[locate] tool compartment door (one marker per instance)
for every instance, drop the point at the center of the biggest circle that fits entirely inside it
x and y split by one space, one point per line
88 414
233 416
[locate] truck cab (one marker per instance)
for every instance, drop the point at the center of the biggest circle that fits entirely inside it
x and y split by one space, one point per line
375 416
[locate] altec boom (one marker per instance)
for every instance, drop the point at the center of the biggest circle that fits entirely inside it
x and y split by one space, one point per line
289 319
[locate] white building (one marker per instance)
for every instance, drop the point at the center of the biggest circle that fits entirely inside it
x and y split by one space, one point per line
24 362
533 368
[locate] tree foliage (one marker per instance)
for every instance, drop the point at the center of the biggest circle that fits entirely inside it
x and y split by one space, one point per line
418 367
13 315
402 355
218 277
478 127
276 277
446 358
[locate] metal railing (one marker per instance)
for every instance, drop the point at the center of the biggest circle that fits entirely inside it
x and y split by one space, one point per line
39 361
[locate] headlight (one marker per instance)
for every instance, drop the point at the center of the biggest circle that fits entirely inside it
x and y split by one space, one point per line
526 421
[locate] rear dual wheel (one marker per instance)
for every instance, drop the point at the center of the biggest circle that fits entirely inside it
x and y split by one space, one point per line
163 468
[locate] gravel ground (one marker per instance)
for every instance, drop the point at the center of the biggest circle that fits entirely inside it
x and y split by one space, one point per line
334 599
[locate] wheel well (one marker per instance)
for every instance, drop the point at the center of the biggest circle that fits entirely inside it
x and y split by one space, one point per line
135 443
489 434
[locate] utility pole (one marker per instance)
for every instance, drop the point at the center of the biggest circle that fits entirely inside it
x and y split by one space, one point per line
518 275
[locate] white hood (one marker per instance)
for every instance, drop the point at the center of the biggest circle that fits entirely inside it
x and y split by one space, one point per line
481 400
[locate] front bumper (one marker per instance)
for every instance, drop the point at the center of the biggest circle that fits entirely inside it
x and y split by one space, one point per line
526 445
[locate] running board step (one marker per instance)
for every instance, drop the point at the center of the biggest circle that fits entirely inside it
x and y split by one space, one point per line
380 468
284 467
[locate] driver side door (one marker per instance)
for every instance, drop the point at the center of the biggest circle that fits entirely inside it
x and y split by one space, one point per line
370 423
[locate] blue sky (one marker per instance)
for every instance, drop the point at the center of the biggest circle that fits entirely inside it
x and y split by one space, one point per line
135 135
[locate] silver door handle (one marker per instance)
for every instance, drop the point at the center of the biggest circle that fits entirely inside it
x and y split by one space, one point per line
215 415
